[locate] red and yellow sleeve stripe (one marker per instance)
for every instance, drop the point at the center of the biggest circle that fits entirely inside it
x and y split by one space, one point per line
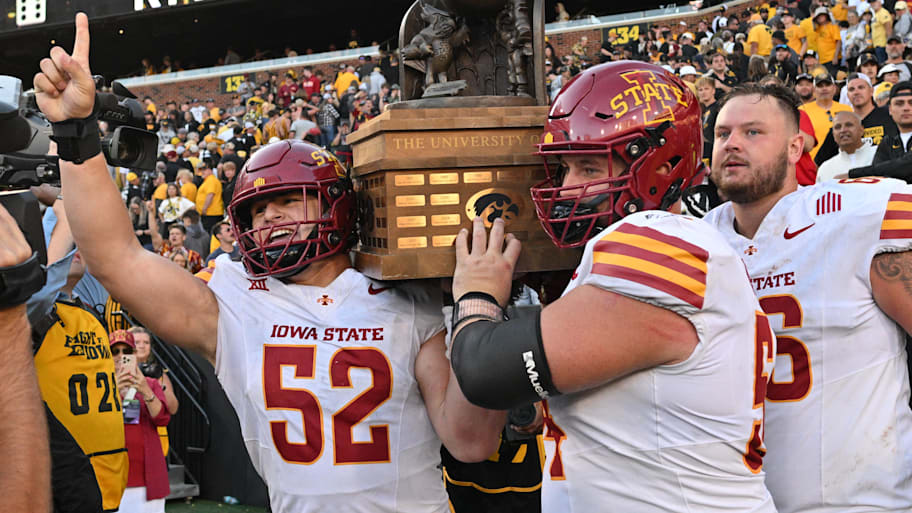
897 221
652 258
206 273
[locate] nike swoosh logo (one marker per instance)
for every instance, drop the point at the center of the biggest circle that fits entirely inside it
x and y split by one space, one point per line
372 291
789 235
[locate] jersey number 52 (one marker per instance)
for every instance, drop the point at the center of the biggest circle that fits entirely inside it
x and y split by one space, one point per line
345 450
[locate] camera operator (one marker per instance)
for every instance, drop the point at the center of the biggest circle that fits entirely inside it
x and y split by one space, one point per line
25 485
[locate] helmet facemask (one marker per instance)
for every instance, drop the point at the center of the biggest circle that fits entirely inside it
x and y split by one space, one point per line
269 251
570 214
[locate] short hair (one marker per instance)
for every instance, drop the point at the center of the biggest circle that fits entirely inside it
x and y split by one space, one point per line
217 228
229 163
771 80
705 82
192 215
140 329
848 112
786 98
852 76
185 173
178 227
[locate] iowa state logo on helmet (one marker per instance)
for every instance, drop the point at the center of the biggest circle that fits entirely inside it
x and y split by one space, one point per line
489 204
653 97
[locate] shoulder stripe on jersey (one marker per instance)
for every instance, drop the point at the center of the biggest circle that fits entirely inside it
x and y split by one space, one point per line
897 221
650 280
696 251
654 259
606 251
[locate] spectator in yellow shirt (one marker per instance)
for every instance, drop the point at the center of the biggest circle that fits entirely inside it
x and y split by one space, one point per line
807 25
214 112
277 126
161 188
209 198
840 11
797 39
829 40
346 79
881 29
823 108
185 181
149 105
759 39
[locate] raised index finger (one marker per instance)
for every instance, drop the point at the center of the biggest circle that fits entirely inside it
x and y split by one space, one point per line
81 46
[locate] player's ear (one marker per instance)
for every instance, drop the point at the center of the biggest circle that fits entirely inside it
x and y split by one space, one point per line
795 147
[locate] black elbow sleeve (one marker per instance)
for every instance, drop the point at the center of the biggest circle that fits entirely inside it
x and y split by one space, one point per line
502 365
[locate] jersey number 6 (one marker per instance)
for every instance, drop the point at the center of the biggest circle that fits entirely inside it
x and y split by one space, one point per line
792 317
346 450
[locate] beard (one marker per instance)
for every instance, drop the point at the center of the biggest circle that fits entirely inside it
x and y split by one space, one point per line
765 180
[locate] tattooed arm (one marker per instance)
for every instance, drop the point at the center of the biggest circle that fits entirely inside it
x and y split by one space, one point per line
891 280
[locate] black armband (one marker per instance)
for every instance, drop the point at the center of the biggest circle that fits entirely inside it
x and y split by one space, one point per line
77 139
19 282
500 365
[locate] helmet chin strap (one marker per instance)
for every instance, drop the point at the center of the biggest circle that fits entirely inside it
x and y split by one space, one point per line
672 194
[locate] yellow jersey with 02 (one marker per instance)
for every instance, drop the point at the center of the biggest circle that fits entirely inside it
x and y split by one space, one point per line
76 377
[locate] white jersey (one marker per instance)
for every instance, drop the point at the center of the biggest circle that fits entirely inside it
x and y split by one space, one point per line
323 383
839 428
685 437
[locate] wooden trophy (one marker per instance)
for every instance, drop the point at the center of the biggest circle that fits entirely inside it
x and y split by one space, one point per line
460 145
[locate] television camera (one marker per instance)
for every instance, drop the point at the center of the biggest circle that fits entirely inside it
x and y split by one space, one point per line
24 144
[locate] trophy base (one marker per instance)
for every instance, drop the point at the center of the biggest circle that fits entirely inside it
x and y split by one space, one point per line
423 174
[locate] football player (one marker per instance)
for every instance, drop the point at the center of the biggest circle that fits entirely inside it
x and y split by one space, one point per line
655 360
341 384
831 266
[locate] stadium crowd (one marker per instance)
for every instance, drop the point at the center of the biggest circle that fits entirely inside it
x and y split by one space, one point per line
844 57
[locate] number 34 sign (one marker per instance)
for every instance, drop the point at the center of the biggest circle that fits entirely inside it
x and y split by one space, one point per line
230 83
625 33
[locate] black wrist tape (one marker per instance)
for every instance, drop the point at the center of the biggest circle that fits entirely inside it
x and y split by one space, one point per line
19 282
77 139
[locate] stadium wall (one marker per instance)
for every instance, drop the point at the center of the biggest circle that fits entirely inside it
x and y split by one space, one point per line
210 82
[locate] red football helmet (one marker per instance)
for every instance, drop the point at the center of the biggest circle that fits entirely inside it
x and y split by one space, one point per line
634 110
280 168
